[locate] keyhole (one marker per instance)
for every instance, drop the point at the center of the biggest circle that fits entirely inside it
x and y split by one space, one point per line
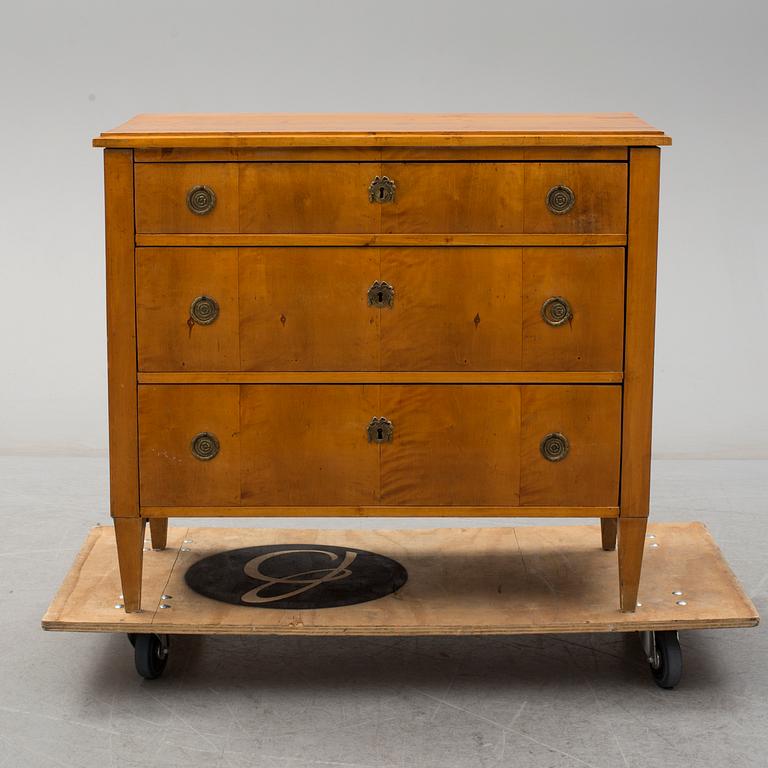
380 433
381 193
380 294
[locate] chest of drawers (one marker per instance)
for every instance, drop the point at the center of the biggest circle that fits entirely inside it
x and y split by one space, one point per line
414 315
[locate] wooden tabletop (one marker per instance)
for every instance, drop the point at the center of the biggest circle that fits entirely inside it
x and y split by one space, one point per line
380 130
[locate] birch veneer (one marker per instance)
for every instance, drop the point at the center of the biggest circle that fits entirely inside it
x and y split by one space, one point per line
415 315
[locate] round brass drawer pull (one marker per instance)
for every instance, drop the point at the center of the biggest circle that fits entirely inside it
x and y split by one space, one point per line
205 446
560 199
556 311
380 430
204 310
382 190
381 295
554 446
201 199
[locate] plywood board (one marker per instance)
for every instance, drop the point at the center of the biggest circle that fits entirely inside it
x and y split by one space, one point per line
461 581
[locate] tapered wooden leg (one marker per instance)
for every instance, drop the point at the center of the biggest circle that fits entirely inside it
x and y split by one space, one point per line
631 545
129 534
158 529
608 528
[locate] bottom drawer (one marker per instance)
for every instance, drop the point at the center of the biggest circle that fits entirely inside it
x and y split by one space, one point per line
367 445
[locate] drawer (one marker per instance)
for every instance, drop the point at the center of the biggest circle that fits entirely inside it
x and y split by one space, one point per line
316 445
315 309
506 198
342 197
186 197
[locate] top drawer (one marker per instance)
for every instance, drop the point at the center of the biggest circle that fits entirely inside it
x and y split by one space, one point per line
372 197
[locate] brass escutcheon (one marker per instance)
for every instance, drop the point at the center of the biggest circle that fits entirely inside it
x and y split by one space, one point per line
381 294
382 190
380 430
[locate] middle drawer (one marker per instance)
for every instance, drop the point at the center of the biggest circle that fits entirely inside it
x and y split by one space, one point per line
380 309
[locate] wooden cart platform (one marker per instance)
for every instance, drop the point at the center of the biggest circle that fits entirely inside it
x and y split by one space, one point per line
461 581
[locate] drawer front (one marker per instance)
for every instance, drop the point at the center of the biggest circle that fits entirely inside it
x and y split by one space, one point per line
572 198
573 309
452 445
306 445
505 198
277 445
276 309
589 418
307 198
170 419
316 445
503 309
454 197
418 198
482 445
435 309
186 197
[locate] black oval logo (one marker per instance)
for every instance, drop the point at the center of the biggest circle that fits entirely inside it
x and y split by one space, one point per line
298 576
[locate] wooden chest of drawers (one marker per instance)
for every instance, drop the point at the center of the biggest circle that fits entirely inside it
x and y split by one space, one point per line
415 315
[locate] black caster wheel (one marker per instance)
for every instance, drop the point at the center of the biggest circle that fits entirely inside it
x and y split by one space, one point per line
150 653
665 657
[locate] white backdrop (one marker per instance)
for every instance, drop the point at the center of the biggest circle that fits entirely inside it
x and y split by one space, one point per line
69 70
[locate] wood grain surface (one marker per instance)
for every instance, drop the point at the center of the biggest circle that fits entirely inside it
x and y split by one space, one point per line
376 154
592 282
600 194
453 444
306 445
307 197
461 581
169 419
129 541
455 309
306 309
161 197
383 510
454 197
297 361
168 280
639 333
315 240
325 198
339 129
590 419
632 546
386 377
121 334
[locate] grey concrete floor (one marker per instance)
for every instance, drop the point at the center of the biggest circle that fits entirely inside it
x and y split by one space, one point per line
551 701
